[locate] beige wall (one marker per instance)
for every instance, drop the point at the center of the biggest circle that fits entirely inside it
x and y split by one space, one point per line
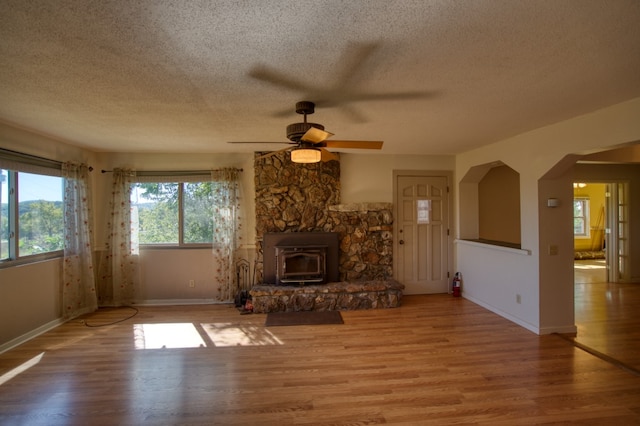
499 205
368 178
30 299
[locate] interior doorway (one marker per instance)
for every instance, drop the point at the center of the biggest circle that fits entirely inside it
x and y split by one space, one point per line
601 229
589 224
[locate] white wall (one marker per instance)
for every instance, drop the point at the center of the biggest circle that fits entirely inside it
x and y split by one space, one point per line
544 282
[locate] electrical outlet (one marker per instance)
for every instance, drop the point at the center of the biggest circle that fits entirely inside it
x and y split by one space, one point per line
553 250
192 283
518 299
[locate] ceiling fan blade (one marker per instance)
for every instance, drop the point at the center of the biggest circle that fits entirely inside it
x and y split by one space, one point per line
278 79
315 135
327 155
355 115
393 96
353 144
352 62
273 143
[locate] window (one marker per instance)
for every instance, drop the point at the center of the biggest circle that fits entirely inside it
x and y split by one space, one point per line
423 211
581 217
173 213
31 209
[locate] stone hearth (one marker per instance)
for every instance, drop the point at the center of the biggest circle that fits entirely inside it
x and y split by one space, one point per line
327 297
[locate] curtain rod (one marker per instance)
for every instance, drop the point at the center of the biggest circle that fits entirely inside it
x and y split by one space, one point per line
35 159
176 172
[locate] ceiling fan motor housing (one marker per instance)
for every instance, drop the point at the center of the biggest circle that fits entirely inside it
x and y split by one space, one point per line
305 107
295 131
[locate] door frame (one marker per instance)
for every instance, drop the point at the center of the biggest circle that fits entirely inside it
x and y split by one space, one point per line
450 223
616 246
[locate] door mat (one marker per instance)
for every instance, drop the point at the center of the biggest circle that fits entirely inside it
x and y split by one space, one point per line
275 319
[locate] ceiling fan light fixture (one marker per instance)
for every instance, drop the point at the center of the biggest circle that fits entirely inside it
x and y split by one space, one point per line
306 155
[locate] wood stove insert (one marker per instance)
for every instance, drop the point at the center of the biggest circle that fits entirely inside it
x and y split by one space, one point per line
301 258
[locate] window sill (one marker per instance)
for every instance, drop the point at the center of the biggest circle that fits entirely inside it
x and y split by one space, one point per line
496 245
175 247
28 260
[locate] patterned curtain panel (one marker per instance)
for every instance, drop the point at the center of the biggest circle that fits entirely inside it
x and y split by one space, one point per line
118 274
78 292
226 231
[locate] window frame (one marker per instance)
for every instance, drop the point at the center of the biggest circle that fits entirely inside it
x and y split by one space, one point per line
181 180
586 217
15 163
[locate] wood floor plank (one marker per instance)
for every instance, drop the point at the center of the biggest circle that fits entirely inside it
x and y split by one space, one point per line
434 360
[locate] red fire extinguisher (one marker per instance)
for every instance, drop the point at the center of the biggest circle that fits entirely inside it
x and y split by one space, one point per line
456 285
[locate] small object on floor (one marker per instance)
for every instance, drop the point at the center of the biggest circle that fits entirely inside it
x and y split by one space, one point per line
247 308
303 318
241 298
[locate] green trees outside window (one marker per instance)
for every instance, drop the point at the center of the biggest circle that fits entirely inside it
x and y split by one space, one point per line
171 213
36 224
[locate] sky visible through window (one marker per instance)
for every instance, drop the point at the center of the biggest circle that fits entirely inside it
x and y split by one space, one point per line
34 187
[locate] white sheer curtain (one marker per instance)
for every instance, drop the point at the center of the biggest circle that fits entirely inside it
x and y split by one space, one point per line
79 290
119 265
226 231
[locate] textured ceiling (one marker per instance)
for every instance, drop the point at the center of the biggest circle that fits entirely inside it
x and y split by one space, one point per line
189 76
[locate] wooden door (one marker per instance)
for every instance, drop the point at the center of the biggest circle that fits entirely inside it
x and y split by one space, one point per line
421 233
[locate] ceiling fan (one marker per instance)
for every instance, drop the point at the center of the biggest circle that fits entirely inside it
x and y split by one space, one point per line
309 140
343 91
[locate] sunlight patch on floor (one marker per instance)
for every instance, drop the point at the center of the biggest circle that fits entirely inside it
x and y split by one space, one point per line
227 334
20 369
169 336
580 266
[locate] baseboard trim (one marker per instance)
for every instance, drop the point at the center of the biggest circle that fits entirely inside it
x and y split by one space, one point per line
511 318
55 323
567 329
563 329
31 334
177 302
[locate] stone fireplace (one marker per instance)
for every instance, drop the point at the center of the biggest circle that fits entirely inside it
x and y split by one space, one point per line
299 198
296 201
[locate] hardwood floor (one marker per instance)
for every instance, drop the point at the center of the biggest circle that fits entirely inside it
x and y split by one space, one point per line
607 314
435 360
